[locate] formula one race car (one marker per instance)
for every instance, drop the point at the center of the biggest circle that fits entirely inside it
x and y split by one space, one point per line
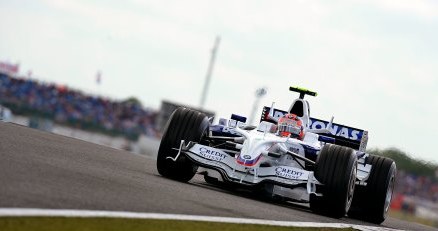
289 155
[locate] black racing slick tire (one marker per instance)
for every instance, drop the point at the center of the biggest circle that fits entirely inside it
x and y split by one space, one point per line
184 124
371 202
336 169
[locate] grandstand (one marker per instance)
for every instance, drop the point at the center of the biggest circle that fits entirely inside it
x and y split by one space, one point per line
77 109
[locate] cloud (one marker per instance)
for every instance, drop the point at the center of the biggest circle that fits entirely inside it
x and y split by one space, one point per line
423 9
125 24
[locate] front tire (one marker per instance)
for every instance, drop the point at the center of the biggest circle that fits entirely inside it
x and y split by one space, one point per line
184 124
335 168
371 202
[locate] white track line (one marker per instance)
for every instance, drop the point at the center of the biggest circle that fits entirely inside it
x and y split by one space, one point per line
24 212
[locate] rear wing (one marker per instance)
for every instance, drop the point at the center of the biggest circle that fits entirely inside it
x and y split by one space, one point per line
339 134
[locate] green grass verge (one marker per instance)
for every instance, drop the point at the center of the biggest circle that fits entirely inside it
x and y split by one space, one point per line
89 224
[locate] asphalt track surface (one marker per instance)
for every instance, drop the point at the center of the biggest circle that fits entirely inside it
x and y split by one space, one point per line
44 170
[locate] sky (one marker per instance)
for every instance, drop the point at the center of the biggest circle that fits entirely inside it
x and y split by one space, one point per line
373 63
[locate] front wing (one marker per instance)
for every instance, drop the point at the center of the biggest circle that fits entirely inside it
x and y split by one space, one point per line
231 171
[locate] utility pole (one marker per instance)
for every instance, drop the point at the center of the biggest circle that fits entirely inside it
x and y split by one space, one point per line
259 94
209 72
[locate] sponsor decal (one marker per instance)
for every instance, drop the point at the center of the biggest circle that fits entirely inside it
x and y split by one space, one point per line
337 130
211 154
221 130
246 157
288 172
246 160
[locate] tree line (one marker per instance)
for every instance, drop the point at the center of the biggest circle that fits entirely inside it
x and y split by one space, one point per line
406 163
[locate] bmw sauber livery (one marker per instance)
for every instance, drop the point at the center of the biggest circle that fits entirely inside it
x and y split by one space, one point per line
288 156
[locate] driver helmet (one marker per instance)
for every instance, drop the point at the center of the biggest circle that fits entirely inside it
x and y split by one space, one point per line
291 126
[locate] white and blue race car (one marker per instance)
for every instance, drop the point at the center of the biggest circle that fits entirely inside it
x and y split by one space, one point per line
289 155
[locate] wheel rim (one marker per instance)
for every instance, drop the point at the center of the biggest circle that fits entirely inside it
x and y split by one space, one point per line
389 193
351 187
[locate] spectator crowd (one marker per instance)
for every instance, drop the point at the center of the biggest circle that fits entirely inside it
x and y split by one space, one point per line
73 107
423 187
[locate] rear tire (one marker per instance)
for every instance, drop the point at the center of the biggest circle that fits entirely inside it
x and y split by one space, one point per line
371 202
183 124
335 168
